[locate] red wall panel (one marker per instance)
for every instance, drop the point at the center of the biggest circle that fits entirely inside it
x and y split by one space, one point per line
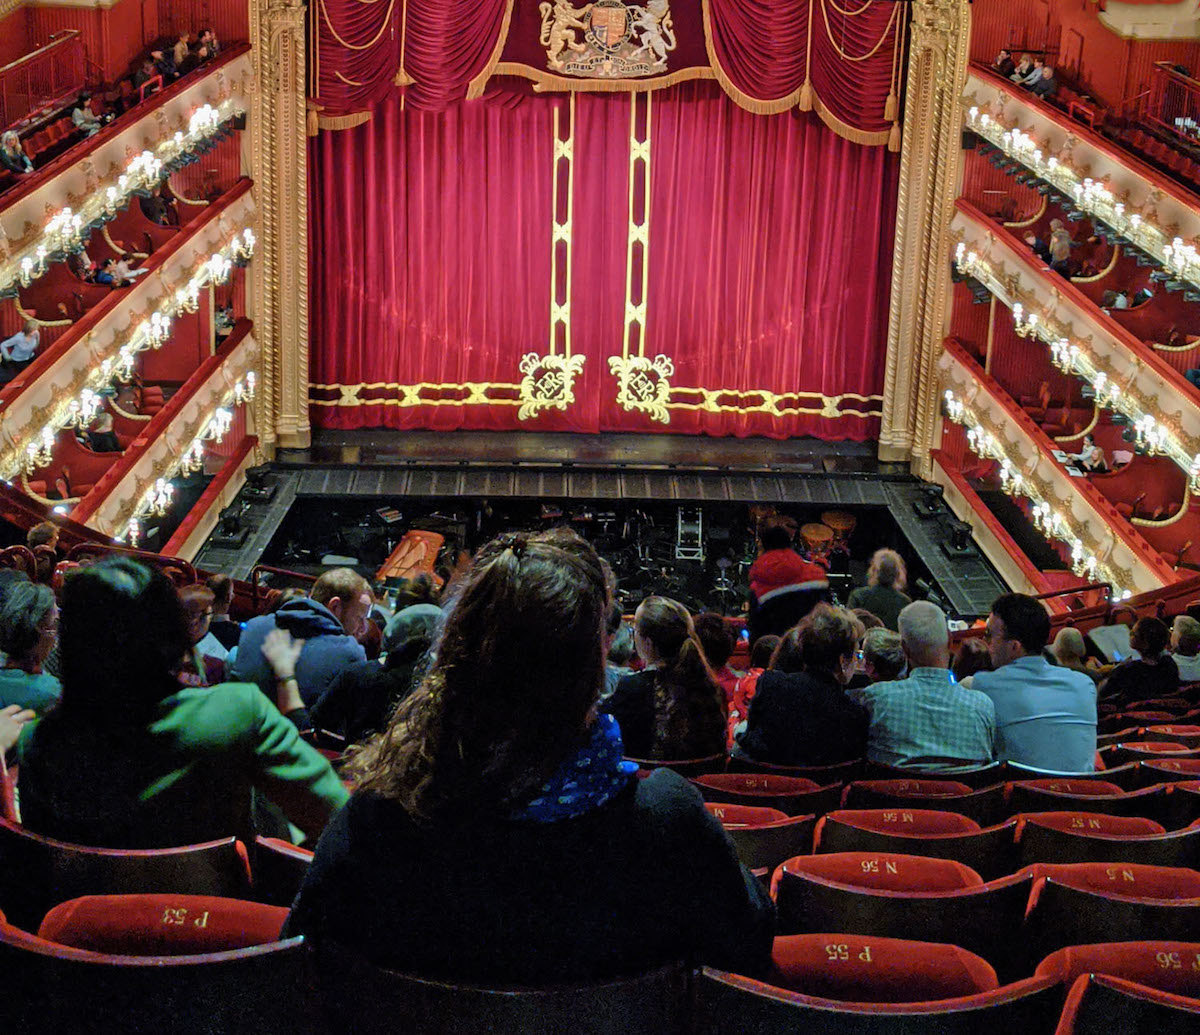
969 321
14 36
991 190
178 359
1022 364
229 19
215 173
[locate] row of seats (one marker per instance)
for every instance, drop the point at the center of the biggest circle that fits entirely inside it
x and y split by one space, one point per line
1159 152
210 964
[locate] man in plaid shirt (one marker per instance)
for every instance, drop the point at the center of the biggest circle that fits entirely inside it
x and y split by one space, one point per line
927 721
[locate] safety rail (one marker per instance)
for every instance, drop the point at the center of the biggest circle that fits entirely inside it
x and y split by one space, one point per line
1174 103
258 591
49 74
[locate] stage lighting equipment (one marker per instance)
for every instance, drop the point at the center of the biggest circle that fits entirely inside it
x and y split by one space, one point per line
230 534
257 488
958 542
930 503
931 594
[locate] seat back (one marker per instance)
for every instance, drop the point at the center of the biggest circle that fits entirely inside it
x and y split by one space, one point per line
990 852
39 872
731 1003
766 847
64 989
1100 1005
1147 803
684 766
1044 844
744 815
364 999
866 969
794 796
279 868
822 775
1168 966
985 806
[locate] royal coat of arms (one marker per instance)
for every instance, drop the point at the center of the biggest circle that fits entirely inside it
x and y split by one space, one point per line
607 39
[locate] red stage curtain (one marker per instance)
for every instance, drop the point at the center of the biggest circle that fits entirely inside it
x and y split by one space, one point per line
430 237
761 47
356 54
446 44
853 71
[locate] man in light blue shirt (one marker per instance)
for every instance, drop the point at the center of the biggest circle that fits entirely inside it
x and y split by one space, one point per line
927 721
1045 714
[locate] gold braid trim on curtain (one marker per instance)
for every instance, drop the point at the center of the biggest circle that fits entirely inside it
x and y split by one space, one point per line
476 85
841 53
402 77
355 118
348 82
387 18
744 100
543 81
854 135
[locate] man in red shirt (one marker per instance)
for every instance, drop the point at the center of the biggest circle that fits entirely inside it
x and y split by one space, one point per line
784 586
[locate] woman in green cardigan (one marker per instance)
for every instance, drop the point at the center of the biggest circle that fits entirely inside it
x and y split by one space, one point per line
129 758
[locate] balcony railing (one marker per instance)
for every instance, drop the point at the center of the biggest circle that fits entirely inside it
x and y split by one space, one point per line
1174 102
41 78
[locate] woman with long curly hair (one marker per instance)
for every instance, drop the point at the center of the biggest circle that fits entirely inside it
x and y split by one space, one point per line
674 707
496 835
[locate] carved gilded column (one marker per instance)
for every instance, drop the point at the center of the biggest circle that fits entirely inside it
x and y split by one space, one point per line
929 178
280 267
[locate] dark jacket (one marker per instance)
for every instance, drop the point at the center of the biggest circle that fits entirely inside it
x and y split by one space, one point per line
652 729
647 878
362 697
327 649
883 602
1138 680
802 718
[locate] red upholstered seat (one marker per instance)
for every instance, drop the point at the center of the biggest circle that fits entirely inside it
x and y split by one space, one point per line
1101 1005
984 806
1173 768
766 847
864 969
1125 776
822 775
1148 802
974 776
793 796
1089 823
1041 843
730 1003
1133 880
685 766
744 815
279 868
882 871
907 822
990 851
1168 966
161 925
1069 785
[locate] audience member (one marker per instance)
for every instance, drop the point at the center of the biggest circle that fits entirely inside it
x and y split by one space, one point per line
1045 86
1185 648
12 154
145 73
193 60
156 208
101 438
883 595
927 721
780 576
1091 457
28 630
1034 73
224 322
1023 70
224 629
1060 246
1003 65
718 642
882 656
499 755
204 663
329 621
12 721
1114 300
86 120
972 656
618 651
44 533
182 48
761 652
1070 651
362 696
208 40
18 351
673 708
1039 247
131 760
164 64
1045 714
801 714
1152 673
866 619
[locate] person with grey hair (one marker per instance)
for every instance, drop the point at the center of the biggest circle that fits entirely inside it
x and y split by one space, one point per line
1069 651
927 721
28 630
883 657
883 594
1185 648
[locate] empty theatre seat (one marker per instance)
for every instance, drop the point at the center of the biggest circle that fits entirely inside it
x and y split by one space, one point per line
793 796
1183 805
1189 736
1168 966
863 969
1171 769
882 871
161 925
729 1003
975 777
279 868
366 1000
263 989
765 844
1101 1005
985 806
822 775
984 918
990 851
1148 803
684 766
1040 843
1125 776
1061 915
744 815
1144 750
39 872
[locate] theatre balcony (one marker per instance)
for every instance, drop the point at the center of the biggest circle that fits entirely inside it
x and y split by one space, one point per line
1003 445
